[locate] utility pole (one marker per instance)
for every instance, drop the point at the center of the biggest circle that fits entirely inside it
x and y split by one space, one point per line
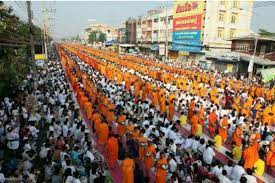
166 35
31 30
251 62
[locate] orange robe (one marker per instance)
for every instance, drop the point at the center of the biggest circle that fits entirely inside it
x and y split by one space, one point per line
237 136
127 170
223 129
149 157
112 151
194 124
103 133
250 156
212 119
171 111
161 173
201 116
142 142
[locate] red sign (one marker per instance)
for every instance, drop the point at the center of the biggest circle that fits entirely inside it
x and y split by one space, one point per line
187 23
186 7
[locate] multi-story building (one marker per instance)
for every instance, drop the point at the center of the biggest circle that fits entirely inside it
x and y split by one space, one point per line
121 33
130 26
224 20
111 32
209 25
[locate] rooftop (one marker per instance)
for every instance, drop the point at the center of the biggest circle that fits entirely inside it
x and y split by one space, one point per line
252 37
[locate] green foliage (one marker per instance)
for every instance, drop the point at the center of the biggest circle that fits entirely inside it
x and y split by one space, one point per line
15 59
266 33
97 36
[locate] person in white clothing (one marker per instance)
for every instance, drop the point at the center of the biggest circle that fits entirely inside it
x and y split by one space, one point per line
13 139
249 176
237 172
208 153
223 177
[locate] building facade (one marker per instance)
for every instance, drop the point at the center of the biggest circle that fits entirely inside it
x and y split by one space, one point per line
209 25
224 20
109 31
131 25
265 47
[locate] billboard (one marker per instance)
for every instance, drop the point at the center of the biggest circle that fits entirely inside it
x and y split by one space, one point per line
187 25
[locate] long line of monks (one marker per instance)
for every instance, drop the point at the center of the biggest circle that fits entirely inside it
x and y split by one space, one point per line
100 110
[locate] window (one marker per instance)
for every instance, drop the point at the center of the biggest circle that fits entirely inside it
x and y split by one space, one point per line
235 4
156 20
220 32
233 19
222 2
221 17
232 33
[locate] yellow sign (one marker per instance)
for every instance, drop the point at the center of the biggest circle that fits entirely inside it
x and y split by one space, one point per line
183 53
183 8
40 56
229 67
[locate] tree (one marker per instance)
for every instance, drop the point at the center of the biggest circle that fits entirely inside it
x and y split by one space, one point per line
15 60
266 33
96 36
102 37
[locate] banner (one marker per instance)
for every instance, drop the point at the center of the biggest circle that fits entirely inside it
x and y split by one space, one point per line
39 56
161 49
229 67
187 25
268 74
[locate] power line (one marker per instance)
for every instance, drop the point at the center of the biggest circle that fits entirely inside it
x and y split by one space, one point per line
21 7
17 35
12 45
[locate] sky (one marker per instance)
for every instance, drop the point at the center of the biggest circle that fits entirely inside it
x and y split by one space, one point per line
71 17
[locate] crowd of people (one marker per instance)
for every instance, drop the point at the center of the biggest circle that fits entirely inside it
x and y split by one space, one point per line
147 125
43 137
134 109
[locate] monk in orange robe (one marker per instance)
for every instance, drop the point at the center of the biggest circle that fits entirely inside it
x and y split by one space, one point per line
194 124
127 168
135 133
149 157
121 125
191 109
103 133
270 156
112 150
162 167
201 116
142 144
171 110
238 135
223 125
212 122
162 104
250 156
155 98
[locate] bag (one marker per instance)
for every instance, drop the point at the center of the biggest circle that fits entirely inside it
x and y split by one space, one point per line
199 130
183 120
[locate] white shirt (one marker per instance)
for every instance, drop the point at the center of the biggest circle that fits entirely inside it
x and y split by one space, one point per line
237 172
208 155
224 179
250 178
65 130
195 145
13 140
188 143
217 171
172 165
228 169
